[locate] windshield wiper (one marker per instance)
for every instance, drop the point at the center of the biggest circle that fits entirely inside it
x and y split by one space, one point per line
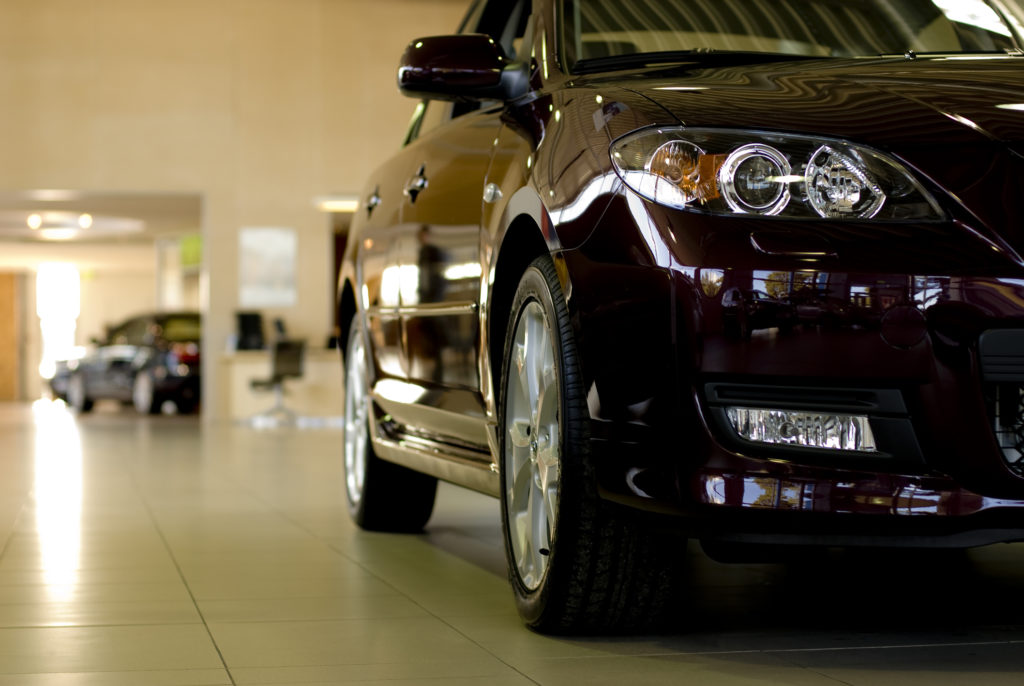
964 54
702 56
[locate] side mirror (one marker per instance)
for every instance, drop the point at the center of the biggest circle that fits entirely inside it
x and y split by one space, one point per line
462 67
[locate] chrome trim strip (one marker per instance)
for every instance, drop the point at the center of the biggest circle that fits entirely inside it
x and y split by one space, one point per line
438 310
465 469
789 253
431 310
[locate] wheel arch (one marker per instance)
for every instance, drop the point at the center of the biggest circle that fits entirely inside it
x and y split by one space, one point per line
522 243
346 312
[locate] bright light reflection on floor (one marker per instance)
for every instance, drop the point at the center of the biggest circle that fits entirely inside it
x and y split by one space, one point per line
58 496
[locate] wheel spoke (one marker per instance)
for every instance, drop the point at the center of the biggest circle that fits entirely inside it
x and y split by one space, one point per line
536 353
519 433
524 380
551 504
520 513
519 490
541 526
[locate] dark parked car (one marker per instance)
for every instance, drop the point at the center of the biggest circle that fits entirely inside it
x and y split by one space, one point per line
820 307
745 311
146 361
532 292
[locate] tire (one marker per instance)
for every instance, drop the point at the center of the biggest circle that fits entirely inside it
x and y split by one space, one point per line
78 396
185 405
576 563
382 496
144 397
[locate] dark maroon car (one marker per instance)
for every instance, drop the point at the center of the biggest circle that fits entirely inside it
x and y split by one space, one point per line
532 297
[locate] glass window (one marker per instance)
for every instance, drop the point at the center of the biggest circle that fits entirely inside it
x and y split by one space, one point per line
180 328
129 333
600 29
139 331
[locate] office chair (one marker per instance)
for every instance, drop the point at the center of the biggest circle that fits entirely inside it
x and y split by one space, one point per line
250 331
286 362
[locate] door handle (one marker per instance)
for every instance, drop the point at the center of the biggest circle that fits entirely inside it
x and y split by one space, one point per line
373 201
416 185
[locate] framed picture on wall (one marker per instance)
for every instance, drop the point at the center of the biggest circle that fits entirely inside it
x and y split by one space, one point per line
266 266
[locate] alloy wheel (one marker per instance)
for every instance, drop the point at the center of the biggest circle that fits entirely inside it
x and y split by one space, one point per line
142 393
356 414
532 461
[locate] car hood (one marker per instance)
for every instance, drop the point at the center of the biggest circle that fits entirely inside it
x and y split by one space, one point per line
881 101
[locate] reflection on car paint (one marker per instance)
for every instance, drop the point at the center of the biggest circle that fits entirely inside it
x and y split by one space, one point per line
900 496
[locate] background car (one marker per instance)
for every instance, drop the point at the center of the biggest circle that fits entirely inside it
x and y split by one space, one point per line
146 361
534 290
746 310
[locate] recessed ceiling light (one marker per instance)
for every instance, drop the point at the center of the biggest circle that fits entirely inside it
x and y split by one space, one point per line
337 203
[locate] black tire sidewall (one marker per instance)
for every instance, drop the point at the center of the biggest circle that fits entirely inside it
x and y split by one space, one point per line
393 498
78 394
544 289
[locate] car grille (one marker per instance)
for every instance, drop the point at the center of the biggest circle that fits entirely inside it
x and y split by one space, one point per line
1005 403
1002 367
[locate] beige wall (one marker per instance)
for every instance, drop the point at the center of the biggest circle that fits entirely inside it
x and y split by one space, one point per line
256 105
110 298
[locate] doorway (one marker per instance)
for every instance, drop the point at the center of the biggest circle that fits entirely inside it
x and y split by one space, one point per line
10 337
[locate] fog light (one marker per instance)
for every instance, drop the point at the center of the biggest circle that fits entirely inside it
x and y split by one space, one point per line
803 429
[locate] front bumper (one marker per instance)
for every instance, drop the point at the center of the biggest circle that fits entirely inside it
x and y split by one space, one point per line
906 347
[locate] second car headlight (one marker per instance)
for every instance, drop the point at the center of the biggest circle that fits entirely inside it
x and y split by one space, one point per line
728 171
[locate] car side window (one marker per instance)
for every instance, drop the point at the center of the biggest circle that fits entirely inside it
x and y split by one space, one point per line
429 115
131 332
135 331
118 335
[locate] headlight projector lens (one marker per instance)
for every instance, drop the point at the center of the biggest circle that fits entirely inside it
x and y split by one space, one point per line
754 179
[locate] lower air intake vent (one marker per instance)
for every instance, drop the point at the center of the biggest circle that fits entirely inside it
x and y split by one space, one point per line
1002 367
1005 403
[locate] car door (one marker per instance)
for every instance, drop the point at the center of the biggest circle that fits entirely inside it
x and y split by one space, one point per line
436 252
439 250
380 273
114 371
422 275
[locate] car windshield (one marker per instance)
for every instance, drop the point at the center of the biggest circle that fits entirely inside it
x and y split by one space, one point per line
183 329
608 33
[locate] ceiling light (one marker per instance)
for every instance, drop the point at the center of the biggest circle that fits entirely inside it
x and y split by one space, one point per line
54 195
337 203
34 221
58 234
85 220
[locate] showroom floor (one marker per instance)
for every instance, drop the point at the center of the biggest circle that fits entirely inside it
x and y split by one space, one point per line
155 552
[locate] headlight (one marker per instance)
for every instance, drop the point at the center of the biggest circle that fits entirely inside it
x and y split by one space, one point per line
725 171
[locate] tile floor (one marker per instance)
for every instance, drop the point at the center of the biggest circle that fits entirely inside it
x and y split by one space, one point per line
158 552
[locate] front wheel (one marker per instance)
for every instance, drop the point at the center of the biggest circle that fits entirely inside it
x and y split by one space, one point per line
576 564
144 396
382 496
78 396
